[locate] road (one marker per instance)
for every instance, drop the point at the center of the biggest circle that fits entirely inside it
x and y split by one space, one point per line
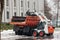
10 35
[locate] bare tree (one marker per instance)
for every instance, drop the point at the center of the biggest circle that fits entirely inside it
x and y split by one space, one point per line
46 10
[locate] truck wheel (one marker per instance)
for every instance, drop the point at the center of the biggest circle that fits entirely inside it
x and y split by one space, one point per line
34 33
41 34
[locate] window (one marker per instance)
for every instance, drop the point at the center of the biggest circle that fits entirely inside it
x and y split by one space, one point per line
28 4
34 5
15 14
22 14
7 2
15 3
21 3
7 15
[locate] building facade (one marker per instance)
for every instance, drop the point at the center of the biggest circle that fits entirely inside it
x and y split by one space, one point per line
19 8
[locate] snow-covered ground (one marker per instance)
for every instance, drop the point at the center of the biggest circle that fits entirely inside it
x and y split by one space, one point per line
6 34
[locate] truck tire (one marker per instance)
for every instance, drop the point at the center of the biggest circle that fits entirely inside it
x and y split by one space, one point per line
41 33
34 33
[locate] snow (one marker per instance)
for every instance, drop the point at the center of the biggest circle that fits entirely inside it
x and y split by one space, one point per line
7 33
11 34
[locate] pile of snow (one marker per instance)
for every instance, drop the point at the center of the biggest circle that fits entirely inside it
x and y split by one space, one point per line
7 32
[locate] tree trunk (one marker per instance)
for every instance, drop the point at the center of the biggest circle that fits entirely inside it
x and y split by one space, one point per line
1 10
